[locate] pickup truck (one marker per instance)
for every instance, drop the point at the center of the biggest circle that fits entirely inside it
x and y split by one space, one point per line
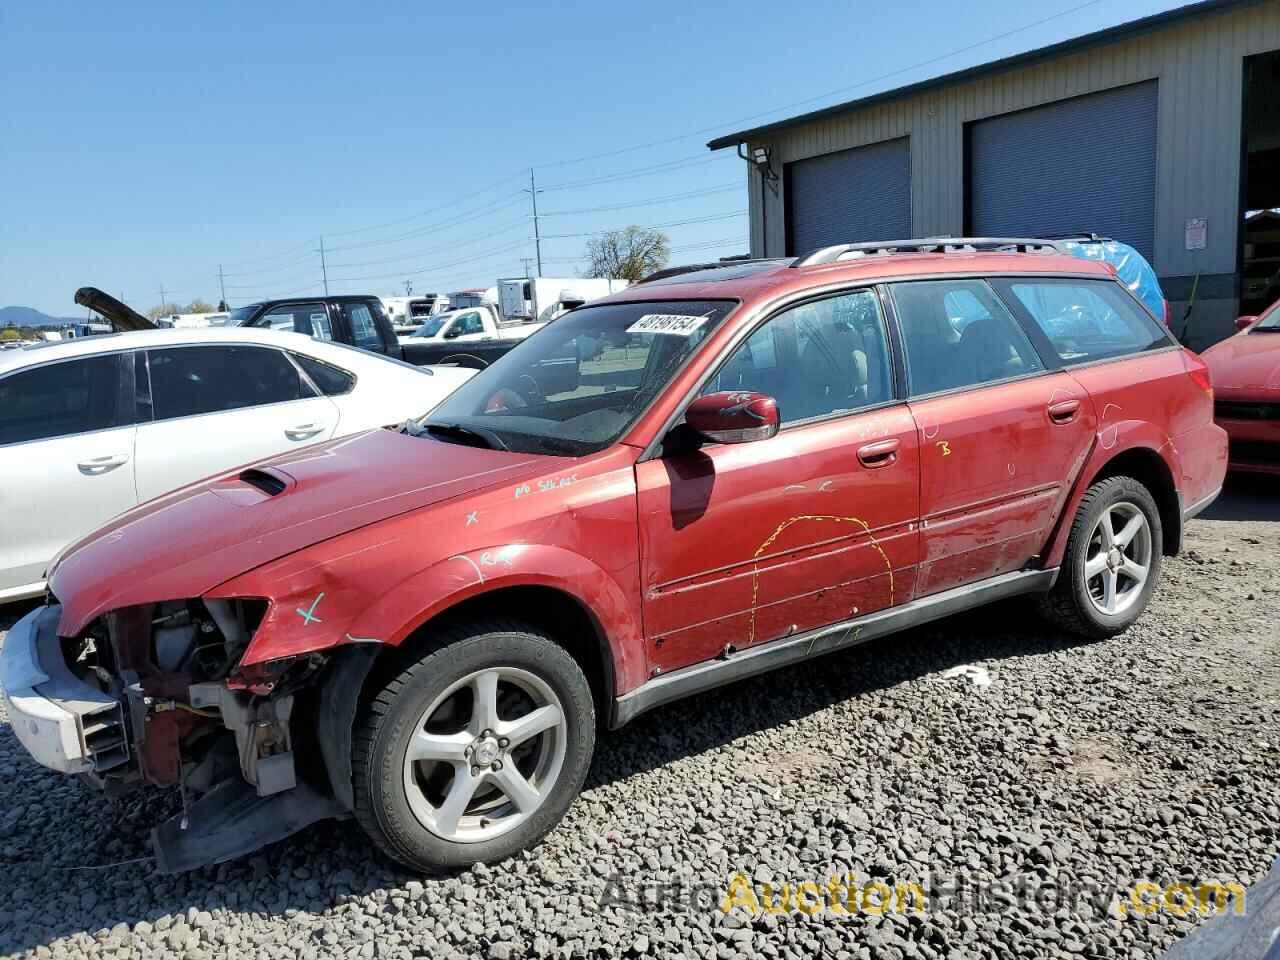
474 324
362 322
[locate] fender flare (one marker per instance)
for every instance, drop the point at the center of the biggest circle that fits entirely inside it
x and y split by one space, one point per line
1112 441
428 594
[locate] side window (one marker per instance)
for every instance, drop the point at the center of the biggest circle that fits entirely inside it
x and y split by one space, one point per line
330 380
189 381
470 323
816 359
309 318
1087 319
957 333
364 331
61 399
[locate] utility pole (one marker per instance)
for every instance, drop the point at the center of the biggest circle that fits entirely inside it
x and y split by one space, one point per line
533 192
408 288
222 287
324 273
525 261
162 303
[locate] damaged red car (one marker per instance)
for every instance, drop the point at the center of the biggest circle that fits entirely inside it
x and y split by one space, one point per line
715 473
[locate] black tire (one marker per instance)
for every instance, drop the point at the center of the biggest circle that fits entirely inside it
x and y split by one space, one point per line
1069 604
391 719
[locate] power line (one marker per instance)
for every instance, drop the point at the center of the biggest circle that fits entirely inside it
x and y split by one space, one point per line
477 214
427 212
442 266
822 96
651 226
646 203
488 235
646 171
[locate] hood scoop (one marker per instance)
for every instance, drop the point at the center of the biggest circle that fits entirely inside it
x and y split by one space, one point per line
253 486
268 481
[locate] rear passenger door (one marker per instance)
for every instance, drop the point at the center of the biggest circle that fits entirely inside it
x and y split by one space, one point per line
211 407
1001 435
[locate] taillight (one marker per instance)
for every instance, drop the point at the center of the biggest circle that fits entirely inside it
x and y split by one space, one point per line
1168 313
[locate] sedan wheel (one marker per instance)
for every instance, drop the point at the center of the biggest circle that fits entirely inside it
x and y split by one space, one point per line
1119 558
475 750
486 754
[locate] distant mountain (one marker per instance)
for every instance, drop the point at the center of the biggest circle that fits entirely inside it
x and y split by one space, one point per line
31 317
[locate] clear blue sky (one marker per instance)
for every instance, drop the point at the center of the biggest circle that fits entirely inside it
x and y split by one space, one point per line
146 143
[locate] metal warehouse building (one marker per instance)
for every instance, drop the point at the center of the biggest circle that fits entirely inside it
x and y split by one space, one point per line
1163 132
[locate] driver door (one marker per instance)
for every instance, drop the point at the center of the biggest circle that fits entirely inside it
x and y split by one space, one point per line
746 543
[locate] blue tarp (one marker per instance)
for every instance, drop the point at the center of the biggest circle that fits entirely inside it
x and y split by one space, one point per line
1131 267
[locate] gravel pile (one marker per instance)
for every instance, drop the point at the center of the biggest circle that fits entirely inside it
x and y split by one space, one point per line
1078 768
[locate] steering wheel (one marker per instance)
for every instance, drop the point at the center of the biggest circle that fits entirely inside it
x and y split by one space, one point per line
534 393
503 399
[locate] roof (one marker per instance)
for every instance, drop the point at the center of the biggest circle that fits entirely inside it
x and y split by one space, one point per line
137 339
777 277
1121 31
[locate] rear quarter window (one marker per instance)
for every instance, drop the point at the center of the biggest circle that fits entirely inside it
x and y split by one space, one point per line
1084 320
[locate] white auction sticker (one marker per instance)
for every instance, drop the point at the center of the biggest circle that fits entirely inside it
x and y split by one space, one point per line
673 323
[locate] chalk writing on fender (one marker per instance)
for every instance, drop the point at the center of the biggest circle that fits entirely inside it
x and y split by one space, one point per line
524 489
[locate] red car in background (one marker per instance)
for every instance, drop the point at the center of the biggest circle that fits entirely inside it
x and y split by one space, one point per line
712 474
1246 383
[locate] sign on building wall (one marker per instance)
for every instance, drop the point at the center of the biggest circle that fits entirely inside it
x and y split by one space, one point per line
1197 230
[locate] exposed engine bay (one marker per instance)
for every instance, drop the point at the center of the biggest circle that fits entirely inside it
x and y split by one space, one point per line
229 740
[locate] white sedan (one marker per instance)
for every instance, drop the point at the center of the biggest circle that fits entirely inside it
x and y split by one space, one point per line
92 427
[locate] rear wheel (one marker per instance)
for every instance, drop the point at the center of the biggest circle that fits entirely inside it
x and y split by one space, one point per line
1112 560
475 751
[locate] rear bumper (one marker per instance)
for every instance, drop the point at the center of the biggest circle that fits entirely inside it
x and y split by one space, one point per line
63 722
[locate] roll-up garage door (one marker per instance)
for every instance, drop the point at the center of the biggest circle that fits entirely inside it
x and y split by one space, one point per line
859 194
1086 165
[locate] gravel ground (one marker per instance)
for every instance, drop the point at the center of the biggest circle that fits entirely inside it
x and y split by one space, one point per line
1152 757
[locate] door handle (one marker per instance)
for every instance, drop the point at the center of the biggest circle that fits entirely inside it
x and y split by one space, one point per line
879 454
303 431
97 466
1064 411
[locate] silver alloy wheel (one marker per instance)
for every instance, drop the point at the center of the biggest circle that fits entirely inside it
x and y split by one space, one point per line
485 755
1118 560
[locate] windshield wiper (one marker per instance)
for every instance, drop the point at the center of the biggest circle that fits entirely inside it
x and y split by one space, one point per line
468 436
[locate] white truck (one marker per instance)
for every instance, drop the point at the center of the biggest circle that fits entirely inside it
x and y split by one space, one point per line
542 299
407 314
482 322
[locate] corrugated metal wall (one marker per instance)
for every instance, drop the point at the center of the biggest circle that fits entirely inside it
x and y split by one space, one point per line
862 194
1199 66
1083 165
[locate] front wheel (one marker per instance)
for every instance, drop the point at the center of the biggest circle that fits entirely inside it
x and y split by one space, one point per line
1112 560
475 751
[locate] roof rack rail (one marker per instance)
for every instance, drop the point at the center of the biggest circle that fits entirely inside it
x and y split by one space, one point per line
666 272
941 245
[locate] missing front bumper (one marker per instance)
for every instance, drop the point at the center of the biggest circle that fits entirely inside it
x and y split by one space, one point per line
63 722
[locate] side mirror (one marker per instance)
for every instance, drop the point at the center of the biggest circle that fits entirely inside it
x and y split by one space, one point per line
733 416
1244 323
453 333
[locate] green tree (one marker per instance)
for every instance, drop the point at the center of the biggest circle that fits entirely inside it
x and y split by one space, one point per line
198 306
9 333
628 254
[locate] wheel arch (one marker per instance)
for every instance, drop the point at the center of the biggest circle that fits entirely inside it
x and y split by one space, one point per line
1149 465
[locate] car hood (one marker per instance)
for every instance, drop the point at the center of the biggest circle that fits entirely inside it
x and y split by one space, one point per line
188 542
1247 360
121 316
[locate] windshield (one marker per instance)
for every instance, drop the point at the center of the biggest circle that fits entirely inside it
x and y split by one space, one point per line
432 326
577 385
1270 318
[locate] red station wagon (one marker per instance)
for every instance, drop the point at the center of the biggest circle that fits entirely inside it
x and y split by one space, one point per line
712 474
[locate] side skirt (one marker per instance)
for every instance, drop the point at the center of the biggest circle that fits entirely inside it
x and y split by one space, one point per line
837 636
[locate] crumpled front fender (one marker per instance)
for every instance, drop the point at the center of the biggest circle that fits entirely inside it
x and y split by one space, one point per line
324 606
